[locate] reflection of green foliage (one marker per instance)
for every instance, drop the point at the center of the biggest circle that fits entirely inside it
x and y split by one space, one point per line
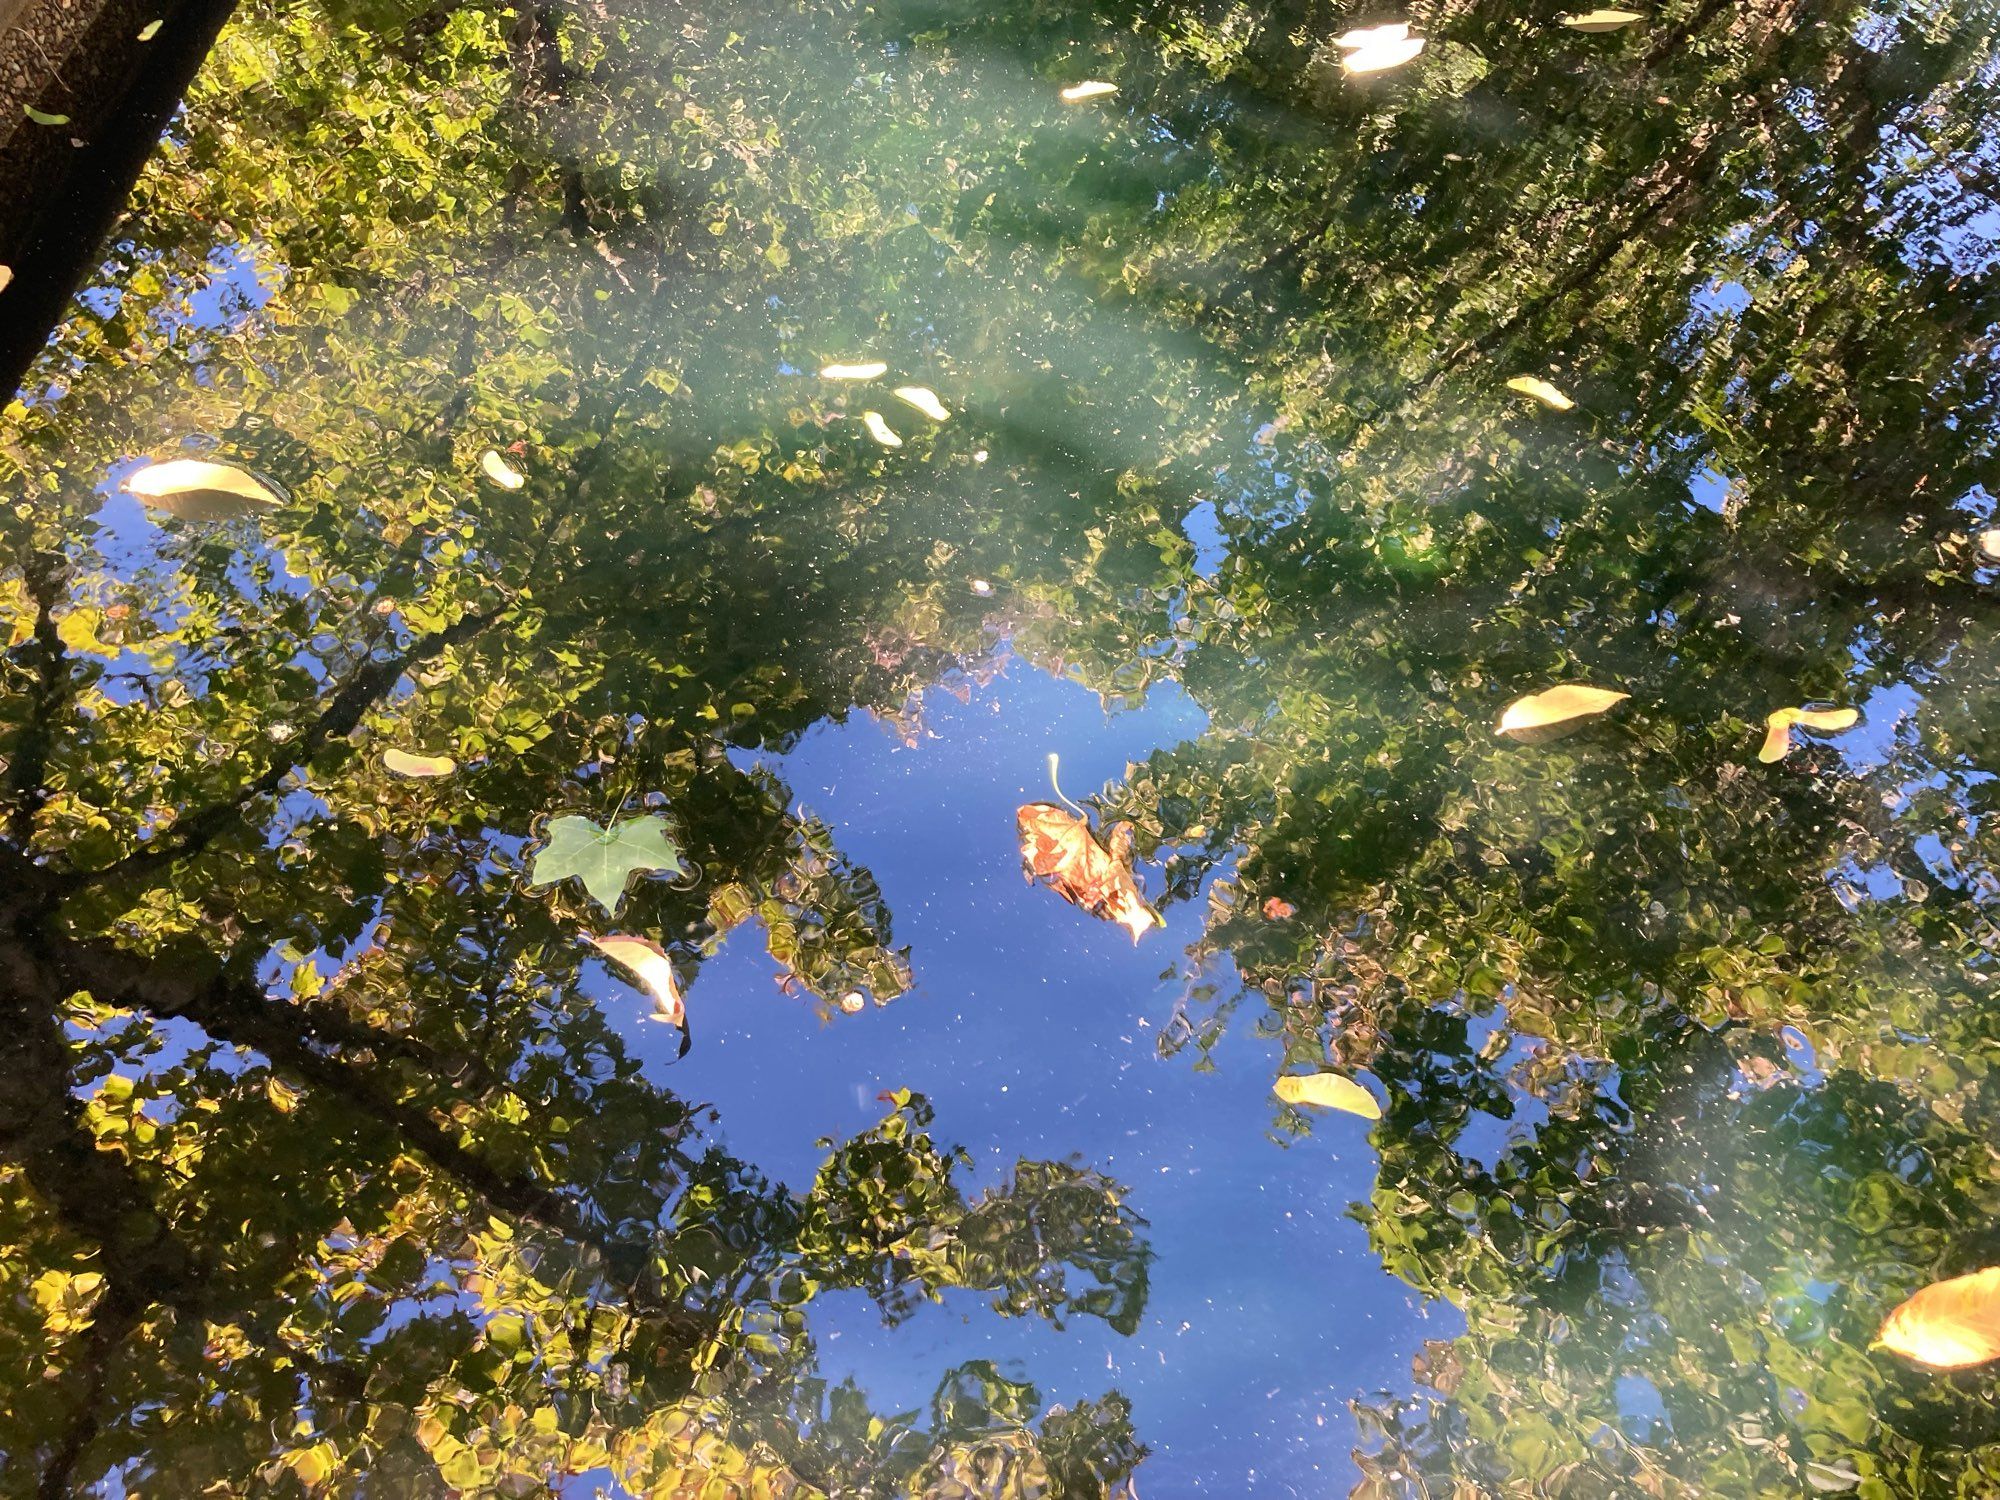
297 1072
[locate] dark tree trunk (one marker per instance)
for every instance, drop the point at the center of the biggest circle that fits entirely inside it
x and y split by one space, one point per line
62 186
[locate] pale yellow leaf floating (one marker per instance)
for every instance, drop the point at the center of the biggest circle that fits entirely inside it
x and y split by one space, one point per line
196 490
284 1098
1329 1091
880 430
1601 20
1949 1326
1090 88
500 471
867 369
925 400
6 277
150 30
1379 57
1541 390
1372 36
1557 705
1778 727
649 961
417 767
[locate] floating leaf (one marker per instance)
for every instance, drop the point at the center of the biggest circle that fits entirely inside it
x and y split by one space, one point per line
1831 1479
42 117
284 1098
1058 846
1989 539
1090 88
925 400
1602 20
197 490
6 277
655 970
1372 36
1557 705
880 430
869 369
402 763
1778 727
500 471
1329 1091
1541 390
150 30
1949 1326
604 859
1379 57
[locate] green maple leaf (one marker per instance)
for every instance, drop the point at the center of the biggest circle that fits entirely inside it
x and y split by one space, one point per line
604 859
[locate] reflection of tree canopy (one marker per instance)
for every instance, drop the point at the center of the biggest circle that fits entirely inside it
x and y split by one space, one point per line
299 1073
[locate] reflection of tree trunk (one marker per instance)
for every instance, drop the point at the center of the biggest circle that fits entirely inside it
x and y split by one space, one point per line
85 61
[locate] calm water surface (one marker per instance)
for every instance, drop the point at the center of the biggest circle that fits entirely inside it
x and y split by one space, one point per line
1249 437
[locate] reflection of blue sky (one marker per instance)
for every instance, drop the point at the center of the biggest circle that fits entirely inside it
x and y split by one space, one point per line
1034 1029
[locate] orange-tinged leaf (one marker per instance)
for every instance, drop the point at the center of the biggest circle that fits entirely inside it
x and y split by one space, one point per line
1556 705
1778 727
1059 847
649 961
1329 1091
402 763
1949 1326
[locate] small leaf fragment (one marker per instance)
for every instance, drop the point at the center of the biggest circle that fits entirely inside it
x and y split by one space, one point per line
925 400
150 30
1989 539
1601 20
500 471
1541 390
1328 1091
1778 727
417 767
880 430
196 490
1556 705
1949 1325
867 369
6 277
649 961
1090 88
604 859
42 117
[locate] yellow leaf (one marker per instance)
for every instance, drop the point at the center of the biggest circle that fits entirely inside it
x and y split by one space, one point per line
1778 727
1557 705
42 117
880 430
1329 1091
1379 57
197 490
925 400
1090 88
402 763
649 961
500 471
1602 20
150 30
6 277
1948 1326
868 369
284 1098
1541 390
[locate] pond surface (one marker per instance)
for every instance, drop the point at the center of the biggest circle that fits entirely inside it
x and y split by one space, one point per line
772 433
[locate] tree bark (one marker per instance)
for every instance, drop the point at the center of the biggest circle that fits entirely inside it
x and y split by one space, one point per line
62 186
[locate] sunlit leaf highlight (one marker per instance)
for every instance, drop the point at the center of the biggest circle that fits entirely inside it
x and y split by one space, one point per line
1601 20
655 971
416 767
502 473
196 490
925 400
1542 391
1778 727
880 430
1557 705
1950 1325
867 369
1380 57
1328 1091
1090 88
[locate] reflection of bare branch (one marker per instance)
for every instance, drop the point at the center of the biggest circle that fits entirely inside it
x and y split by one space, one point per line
340 716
